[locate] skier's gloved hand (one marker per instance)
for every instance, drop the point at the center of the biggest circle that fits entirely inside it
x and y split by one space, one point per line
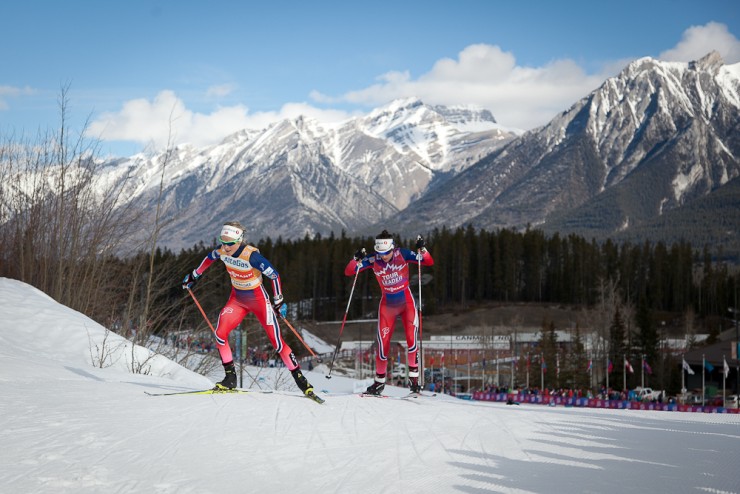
189 281
420 244
279 305
360 254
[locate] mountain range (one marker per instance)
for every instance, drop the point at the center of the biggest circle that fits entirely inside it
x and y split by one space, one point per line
653 153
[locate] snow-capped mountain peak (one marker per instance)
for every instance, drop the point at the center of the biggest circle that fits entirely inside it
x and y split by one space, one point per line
299 176
647 141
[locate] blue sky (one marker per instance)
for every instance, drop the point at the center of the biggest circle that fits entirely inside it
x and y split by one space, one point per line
143 70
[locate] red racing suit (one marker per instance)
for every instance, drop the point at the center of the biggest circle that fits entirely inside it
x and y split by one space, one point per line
246 268
396 301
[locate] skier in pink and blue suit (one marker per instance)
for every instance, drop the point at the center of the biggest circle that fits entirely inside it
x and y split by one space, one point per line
390 264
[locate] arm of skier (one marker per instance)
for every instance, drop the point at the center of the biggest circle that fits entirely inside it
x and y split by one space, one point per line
424 256
421 256
192 277
359 262
263 265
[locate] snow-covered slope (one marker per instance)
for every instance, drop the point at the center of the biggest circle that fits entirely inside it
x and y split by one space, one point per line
71 427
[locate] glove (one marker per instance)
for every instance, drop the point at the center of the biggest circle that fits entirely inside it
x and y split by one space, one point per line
360 254
279 305
189 281
420 242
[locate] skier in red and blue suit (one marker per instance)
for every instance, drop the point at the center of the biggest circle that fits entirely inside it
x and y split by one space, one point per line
246 267
391 267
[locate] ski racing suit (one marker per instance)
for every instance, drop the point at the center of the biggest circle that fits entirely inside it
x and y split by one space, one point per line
396 301
246 268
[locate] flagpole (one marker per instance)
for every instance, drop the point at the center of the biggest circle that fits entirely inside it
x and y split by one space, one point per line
607 372
642 372
724 378
542 372
624 373
513 359
683 378
498 381
703 367
468 370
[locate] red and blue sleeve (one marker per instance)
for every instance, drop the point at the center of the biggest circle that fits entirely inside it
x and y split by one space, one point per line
354 266
207 261
261 263
410 256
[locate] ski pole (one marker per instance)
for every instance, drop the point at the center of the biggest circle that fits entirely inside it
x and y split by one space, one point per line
201 311
421 338
298 335
344 320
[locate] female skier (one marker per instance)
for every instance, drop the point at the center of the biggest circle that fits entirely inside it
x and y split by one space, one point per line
246 267
391 267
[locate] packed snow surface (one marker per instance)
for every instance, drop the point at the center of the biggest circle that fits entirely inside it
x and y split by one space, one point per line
69 426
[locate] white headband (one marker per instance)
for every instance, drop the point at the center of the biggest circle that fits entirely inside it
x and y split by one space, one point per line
383 245
232 232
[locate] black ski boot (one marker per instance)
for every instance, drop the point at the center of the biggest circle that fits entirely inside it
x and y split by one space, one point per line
305 386
301 381
377 387
414 380
229 382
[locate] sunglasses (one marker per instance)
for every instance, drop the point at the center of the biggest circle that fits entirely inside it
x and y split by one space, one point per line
234 242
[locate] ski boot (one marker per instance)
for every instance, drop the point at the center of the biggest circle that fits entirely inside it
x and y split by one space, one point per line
377 387
304 385
301 381
414 380
228 382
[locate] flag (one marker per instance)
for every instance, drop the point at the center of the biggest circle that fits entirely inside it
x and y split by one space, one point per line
628 366
646 366
528 362
687 367
610 367
726 368
709 366
544 365
557 364
590 368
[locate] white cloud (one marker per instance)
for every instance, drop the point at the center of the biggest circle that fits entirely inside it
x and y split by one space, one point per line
482 75
12 92
166 121
163 119
219 91
15 91
697 41
486 76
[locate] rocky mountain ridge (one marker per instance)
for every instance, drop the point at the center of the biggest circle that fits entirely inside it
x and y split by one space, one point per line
653 139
